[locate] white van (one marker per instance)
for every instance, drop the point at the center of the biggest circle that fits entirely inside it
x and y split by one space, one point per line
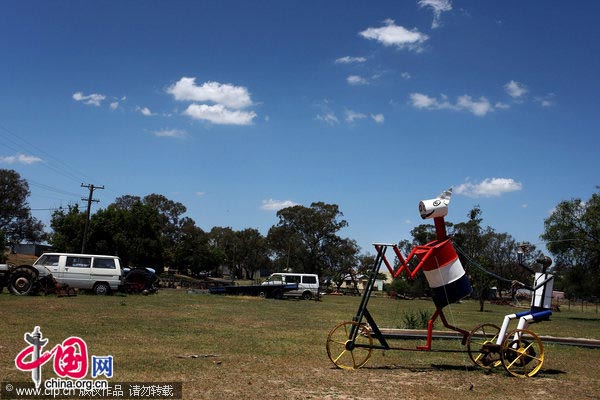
102 274
308 284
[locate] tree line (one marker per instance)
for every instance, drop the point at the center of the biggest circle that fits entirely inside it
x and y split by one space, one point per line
154 231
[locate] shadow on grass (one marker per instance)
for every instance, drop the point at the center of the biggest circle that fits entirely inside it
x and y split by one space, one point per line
584 319
454 367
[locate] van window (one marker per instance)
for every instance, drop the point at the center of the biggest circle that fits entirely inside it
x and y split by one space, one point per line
107 263
292 279
49 260
79 262
275 278
309 279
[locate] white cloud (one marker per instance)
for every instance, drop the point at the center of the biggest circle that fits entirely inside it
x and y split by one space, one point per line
228 95
356 80
546 101
405 75
174 133
379 118
114 105
350 60
420 100
395 35
515 89
351 116
479 107
91 99
329 118
200 194
145 111
276 205
20 159
438 7
219 114
489 187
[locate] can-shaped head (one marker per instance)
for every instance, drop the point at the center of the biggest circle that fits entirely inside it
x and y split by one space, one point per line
437 207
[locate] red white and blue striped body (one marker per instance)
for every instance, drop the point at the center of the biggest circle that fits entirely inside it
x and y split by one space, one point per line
444 273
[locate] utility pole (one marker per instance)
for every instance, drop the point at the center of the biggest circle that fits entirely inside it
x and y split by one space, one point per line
89 206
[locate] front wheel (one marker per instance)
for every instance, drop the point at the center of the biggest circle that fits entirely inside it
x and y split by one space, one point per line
22 281
349 345
522 353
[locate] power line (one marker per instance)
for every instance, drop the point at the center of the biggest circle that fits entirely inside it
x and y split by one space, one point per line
61 167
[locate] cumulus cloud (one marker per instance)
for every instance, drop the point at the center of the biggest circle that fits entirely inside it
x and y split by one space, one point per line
219 114
276 205
479 107
226 101
395 35
356 80
228 95
350 60
172 133
489 187
93 99
379 118
438 7
515 89
20 159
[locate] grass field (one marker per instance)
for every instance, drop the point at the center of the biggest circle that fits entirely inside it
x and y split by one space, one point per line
254 348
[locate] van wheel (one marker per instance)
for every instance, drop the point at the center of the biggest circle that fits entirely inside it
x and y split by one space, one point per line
101 289
22 281
307 295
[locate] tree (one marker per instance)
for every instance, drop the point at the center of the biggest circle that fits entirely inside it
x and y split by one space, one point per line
252 253
170 222
133 234
67 229
16 221
305 238
572 232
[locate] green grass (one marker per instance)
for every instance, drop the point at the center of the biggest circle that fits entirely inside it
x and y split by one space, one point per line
272 349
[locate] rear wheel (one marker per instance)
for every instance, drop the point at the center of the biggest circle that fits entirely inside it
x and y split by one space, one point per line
307 295
22 281
482 347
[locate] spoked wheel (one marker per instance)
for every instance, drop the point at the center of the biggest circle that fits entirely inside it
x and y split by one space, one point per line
522 353
482 347
349 345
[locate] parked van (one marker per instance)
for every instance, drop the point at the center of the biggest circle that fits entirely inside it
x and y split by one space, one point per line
308 284
102 274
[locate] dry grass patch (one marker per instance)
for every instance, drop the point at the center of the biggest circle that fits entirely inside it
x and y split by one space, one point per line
253 348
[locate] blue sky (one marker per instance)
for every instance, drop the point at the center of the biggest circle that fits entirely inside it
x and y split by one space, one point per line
238 108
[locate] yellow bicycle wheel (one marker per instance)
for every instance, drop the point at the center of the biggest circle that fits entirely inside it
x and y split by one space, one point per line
482 347
522 353
345 351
